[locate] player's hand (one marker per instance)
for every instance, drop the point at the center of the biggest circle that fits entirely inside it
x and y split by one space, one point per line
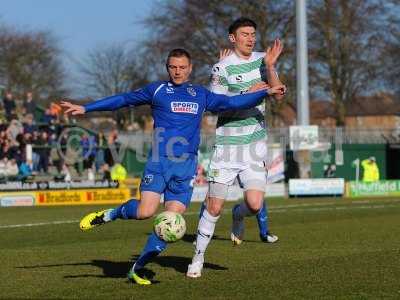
73 109
224 53
272 54
277 90
258 86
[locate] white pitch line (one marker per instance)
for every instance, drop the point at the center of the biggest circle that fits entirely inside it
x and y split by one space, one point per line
39 224
298 208
276 209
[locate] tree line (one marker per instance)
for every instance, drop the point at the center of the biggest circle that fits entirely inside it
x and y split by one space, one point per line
354 49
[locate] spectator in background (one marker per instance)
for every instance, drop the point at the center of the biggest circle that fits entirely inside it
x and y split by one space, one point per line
43 150
88 144
5 150
29 104
91 174
101 146
2 114
12 169
3 169
55 111
66 173
55 157
14 129
9 106
111 142
48 117
106 172
28 125
371 170
24 170
35 154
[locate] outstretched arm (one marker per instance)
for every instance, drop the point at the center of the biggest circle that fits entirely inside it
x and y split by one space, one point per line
219 102
72 109
138 97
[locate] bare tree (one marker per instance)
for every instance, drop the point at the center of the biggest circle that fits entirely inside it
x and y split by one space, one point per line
203 31
391 53
111 70
30 61
346 46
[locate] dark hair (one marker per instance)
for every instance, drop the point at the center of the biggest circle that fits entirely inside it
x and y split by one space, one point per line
241 22
179 52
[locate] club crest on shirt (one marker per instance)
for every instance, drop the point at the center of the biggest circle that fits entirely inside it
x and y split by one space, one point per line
191 91
184 107
239 78
214 173
147 179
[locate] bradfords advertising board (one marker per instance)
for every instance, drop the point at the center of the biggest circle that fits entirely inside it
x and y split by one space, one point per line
65 197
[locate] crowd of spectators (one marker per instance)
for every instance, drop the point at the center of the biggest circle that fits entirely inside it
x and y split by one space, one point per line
30 144
34 144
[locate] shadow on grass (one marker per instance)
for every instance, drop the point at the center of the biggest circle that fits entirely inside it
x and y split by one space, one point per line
190 238
112 269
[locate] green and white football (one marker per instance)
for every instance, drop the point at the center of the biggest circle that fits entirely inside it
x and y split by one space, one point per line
169 226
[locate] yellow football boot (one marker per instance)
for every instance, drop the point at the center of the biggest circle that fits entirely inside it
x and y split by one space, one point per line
136 278
92 220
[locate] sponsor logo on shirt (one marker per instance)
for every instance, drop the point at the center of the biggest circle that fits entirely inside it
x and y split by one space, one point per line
184 107
170 90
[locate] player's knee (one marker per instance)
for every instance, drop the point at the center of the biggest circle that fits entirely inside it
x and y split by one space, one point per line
254 200
254 207
145 212
214 209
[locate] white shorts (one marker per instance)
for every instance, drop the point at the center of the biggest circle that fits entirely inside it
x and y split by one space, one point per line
245 163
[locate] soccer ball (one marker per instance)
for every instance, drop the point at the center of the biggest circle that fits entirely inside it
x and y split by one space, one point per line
169 226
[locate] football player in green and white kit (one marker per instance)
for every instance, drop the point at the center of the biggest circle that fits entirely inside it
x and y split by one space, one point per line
240 150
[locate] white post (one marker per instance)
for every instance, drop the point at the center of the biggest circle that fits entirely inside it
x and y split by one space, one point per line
303 115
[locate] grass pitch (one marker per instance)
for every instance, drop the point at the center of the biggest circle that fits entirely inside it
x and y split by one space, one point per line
328 249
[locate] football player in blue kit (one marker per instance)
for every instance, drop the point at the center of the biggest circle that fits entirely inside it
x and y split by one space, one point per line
177 108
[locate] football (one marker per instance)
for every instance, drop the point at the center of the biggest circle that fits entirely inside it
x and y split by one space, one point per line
169 226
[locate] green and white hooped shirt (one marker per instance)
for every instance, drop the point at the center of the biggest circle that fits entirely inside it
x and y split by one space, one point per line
232 76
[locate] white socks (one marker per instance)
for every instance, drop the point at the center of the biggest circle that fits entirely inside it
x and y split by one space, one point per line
205 232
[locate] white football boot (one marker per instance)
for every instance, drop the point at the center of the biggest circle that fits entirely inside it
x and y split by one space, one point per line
269 238
237 231
195 268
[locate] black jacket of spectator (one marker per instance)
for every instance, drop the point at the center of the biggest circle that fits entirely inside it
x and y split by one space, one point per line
30 107
9 107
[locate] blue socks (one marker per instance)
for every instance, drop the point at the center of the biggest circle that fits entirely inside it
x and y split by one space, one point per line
202 208
128 210
262 220
154 246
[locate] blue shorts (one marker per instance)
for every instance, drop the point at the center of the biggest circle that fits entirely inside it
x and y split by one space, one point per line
171 178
